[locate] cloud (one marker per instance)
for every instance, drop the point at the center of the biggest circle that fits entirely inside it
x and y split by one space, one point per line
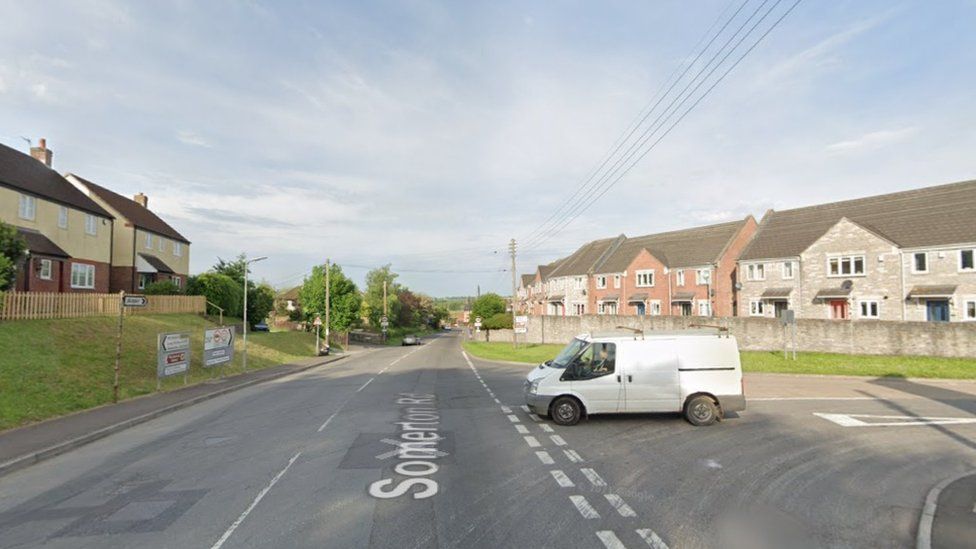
192 138
871 141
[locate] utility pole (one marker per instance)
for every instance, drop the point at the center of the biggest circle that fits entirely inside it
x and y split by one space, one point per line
511 250
327 303
479 291
385 317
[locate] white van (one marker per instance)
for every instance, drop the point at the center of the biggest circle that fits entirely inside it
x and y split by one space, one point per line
696 372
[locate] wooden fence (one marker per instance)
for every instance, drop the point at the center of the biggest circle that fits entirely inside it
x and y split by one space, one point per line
35 305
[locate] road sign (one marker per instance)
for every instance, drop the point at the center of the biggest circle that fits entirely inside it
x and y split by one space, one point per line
477 322
317 321
135 301
521 324
172 354
218 346
384 322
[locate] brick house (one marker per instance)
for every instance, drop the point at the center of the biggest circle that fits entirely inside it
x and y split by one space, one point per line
568 283
68 235
146 249
900 256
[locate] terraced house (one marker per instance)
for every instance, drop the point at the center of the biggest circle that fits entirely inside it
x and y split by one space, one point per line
68 235
145 248
900 256
568 284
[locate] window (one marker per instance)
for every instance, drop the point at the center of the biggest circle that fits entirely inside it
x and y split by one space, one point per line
91 226
645 279
178 281
144 280
703 308
178 252
655 308
162 244
28 207
756 308
966 262
848 265
787 270
148 241
969 309
82 276
579 283
597 360
679 276
702 276
601 282
920 262
756 271
607 308
63 217
579 309
870 308
616 281
44 269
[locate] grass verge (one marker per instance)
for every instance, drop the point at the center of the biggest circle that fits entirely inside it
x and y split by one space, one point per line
773 362
53 367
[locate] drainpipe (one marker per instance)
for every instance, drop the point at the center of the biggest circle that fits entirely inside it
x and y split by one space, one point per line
902 298
670 312
135 235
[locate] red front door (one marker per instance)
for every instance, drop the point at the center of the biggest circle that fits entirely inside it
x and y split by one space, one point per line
838 309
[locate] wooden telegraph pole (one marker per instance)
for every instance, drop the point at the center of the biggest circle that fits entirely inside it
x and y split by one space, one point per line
327 302
118 348
511 249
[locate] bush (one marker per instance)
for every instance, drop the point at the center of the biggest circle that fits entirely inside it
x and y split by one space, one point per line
498 321
163 287
220 290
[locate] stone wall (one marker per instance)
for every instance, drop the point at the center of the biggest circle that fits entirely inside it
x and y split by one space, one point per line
765 334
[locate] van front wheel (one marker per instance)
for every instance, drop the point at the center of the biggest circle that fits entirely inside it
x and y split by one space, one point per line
566 411
701 411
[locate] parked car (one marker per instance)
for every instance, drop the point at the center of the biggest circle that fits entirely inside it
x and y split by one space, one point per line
410 340
260 327
696 372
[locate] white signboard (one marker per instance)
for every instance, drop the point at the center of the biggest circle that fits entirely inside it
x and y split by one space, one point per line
521 324
135 301
218 346
172 354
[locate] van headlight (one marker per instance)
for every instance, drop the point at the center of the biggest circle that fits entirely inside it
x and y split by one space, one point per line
534 387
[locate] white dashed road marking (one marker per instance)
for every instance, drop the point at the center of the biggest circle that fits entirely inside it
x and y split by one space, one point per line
532 442
535 417
557 440
365 384
546 427
522 429
561 479
593 477
571 455
506 409
545 458
525 408
584 507
620 505
326 424
610 540
653 540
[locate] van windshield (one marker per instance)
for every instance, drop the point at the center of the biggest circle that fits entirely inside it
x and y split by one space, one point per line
568 353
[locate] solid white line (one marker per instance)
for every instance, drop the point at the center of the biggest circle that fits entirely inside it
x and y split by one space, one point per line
547 428
561 478
535 418
522 429
652 539
365 384
557 440
326 424
532 442
544 457
514 418
254 504
584 507
506 409
620 505
772 399
593 477
610 540
573 456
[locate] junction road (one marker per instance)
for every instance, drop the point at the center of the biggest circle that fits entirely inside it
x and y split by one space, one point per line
426 447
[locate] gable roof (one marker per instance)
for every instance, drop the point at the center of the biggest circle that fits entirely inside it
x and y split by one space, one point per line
930 216
141 217
547 269
587 257
38 244
157 263
25 173
527 280
682 248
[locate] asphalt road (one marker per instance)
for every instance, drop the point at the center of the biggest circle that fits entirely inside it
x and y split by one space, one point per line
423 447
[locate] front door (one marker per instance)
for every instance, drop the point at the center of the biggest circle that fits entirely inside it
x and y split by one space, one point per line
838 309
780 307
593 376
938 310
640 308
650 377
685 308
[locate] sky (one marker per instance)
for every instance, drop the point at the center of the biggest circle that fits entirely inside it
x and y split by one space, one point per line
428 134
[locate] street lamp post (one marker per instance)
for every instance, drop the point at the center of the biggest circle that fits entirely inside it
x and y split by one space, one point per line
247 262
708 289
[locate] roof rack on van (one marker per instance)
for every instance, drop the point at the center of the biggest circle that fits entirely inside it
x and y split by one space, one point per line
721 329
637 331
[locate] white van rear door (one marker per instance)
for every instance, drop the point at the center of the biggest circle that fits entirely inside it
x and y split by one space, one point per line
650 372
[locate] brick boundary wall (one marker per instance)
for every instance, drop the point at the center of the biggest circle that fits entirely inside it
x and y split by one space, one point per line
955 339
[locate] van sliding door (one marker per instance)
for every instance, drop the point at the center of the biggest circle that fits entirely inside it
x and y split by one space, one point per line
651 377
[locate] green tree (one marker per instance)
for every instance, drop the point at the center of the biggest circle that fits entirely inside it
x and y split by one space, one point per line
373 296
12 248
344 298
163 287
220 290
260 303
234 269
487 306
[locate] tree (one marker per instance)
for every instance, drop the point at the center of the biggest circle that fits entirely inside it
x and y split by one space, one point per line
258 303
12 248
234 269
487 306
220 290
344 299
163 287
410 312
373 296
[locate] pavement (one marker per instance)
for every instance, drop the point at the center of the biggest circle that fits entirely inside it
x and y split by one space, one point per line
425 447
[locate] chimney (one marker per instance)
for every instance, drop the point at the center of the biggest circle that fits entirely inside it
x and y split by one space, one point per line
142 200
42 153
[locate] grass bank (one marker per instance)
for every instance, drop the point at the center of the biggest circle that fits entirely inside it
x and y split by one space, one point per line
773 362
53 367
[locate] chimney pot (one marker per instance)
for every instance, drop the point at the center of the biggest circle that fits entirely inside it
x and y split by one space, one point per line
42 153
43 143
142 200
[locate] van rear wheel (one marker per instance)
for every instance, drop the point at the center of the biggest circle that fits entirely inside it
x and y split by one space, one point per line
701 411
566 411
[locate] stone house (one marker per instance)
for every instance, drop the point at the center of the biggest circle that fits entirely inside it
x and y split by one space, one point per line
900 256
568 284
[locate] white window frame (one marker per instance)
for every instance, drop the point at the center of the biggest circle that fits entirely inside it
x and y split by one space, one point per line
703 309
792 268
649 282
46 269
601 282
27 208
966 302
861 303
178 281
161 244
700 276
149 238
757 307
62 217
579 309
91 225
915 269
616 281
679 276
756 271
972 269
654 307
178 252
579 282
83 276
851 260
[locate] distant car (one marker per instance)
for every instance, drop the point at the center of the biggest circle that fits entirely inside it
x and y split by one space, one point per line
410 340
261 327
446 327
